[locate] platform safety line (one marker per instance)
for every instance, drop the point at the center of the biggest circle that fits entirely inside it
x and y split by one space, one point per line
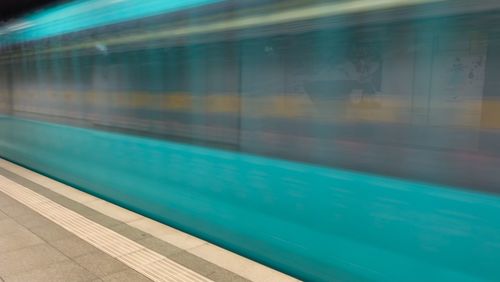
134 255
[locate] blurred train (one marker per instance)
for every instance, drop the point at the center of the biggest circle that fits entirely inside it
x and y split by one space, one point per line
404 90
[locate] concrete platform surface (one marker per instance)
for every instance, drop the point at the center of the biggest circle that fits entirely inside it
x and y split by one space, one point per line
52 232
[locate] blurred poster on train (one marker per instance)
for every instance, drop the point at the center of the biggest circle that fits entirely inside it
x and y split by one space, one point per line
349 72
458 72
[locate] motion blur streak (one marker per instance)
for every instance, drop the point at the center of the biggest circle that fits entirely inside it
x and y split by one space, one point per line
333 140
81 15
307 13
270 19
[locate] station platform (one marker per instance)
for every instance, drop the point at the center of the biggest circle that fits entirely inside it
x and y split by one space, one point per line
50 231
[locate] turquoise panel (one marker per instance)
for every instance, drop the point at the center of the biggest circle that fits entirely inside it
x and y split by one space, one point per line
316 223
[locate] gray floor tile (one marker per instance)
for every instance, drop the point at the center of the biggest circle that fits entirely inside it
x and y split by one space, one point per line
129 275
51 232
73 247
57 272
100 264
56 197
225 276
100 218
8 225
159 246
22 260
204 267
193 262
130 232
6 200
17 240
16 210
33 220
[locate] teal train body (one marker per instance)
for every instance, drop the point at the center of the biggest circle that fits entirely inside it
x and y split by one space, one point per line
317 223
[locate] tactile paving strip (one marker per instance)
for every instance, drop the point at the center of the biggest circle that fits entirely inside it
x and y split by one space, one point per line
136 256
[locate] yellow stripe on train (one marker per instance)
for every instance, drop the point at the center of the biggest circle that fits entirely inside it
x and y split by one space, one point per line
490 114
385 109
